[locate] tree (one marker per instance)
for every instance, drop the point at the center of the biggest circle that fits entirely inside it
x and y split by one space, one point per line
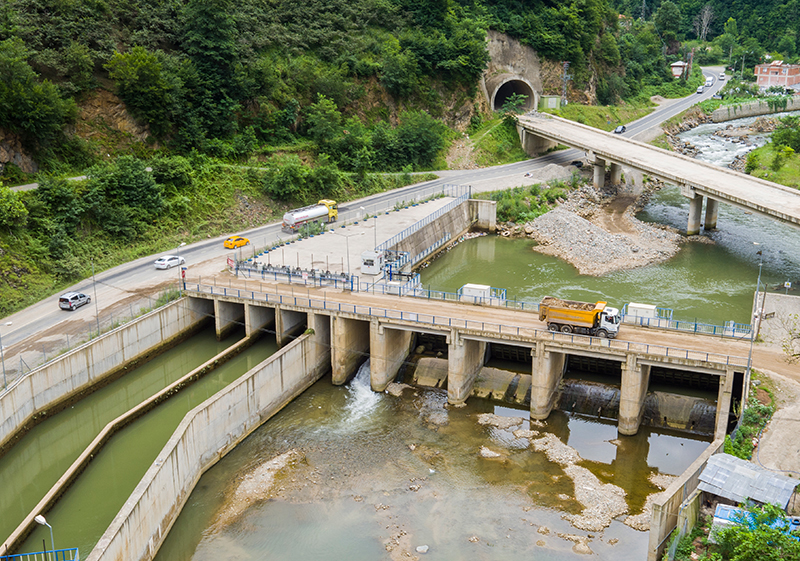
787 46
791 342
668 17
32 109
702 21
761 535
731 28
324 120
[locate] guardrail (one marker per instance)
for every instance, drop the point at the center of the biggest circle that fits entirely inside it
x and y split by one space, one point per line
397 238
49 555
433 247
484 327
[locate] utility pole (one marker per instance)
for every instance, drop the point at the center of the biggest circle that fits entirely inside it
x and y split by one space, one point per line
644 10
564 79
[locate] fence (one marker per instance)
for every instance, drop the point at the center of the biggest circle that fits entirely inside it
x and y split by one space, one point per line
397 238
49 555
324 304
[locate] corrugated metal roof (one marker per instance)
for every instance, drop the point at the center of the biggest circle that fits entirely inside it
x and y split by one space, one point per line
736 479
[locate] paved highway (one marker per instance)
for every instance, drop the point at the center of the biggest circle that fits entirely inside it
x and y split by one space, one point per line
40 328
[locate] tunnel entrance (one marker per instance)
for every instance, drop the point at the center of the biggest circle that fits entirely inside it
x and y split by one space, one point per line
507 89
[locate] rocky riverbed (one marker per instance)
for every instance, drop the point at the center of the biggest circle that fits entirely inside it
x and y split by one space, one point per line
598 233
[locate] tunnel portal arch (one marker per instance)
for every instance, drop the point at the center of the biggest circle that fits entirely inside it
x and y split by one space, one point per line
514 85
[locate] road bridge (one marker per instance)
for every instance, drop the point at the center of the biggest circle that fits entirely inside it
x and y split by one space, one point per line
697 180
384 327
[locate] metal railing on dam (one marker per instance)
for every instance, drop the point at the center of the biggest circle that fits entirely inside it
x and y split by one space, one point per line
477 327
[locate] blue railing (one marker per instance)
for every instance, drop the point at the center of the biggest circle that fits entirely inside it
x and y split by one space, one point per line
529 333
436 245
397 238
49 555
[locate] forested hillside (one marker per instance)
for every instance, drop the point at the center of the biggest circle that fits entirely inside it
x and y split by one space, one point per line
193 118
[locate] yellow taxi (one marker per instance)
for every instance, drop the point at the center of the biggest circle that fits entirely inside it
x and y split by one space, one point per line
236 241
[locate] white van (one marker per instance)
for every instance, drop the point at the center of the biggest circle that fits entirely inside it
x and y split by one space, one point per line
709 82
701 89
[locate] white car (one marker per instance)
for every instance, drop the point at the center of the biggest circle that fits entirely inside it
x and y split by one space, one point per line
701 89
722 76
169 261
72 300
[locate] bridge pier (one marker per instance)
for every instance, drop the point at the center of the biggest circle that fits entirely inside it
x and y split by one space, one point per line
547 370
724 403
712 209
695 209
599 172
349 345
321 353
464 361
633 390
532 144
256 318
388 348
286 323
616 174
226 316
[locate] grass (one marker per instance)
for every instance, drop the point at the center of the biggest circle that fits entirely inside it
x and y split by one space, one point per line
603 117
496 142
787 174
753 420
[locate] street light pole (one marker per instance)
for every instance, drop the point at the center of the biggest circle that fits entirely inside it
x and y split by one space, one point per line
180 267
3 359
96 305
40 520
756 321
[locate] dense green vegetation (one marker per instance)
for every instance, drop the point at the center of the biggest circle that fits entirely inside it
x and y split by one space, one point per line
779 160
123 212
759 536
523 204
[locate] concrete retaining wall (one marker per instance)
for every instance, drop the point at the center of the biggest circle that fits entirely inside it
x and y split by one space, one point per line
781 316
664 516
47 390
205 435
455 222
754 108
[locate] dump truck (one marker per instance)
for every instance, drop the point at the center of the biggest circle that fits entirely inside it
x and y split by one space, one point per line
324 211
585 318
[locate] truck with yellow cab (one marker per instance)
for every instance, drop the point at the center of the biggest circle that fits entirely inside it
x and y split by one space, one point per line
324 211
585 318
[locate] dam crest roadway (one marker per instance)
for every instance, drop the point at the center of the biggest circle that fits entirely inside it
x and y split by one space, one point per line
697 180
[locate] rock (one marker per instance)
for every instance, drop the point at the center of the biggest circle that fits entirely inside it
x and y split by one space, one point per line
486 453
422 549
498 421
474 539
544 530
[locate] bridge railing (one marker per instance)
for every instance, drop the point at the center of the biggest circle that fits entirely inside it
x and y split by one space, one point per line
470 325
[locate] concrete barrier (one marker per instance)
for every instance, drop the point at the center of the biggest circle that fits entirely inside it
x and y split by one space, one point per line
760 107
113 427
52 387
664 517
205 435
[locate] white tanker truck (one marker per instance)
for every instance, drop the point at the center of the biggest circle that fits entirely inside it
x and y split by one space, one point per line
324 211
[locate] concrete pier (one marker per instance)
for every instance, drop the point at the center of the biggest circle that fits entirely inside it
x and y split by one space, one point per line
288 323
712 209
599 172
388 348
465 359
616 174
695 209
635 380
548 369
256 318
349 347
533 144
227 315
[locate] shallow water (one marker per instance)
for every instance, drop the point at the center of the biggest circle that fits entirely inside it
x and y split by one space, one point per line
359 445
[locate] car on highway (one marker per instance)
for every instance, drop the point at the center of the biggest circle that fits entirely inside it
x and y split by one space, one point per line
169 261
722 76
701 89
236 241
620 129
576 163
73 300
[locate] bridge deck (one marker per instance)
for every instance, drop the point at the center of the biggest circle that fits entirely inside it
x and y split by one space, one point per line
691 175
482 321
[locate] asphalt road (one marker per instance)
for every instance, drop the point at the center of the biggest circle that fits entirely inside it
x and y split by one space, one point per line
133 282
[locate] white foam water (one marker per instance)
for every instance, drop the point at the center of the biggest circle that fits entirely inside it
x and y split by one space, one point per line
361 400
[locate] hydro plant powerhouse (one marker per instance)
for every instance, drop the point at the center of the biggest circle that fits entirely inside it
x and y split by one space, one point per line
325 211
585 318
